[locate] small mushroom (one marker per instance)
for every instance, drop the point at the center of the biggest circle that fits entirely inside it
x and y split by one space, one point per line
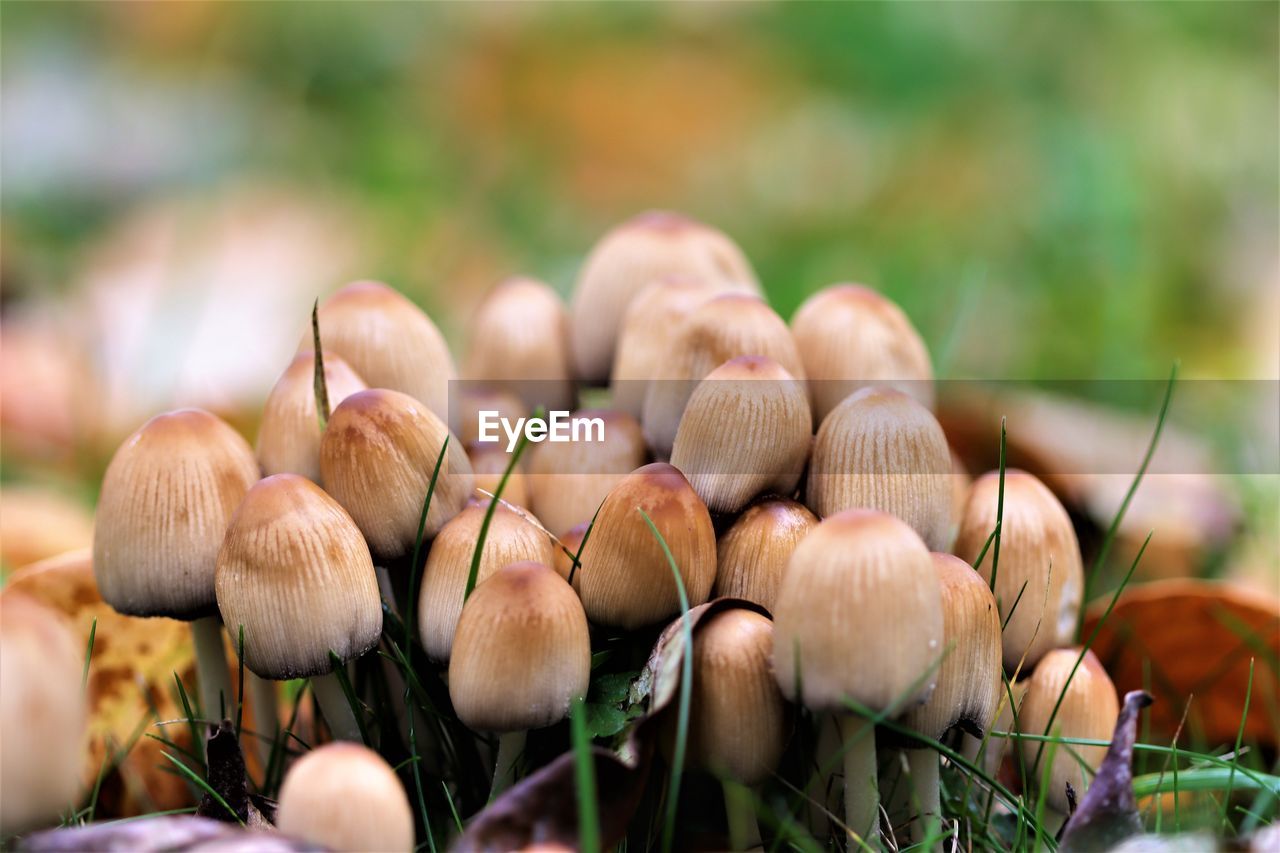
344 796
488 465
746 430
165 503
521 655
289 434
470 399
752 555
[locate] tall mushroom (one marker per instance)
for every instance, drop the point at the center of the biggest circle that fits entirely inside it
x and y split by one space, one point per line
289 434
344 796
752 555
165 503
644 337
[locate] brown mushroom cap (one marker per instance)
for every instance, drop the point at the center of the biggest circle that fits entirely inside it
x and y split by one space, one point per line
345 796
625 579
849 336
511 538
388 341
859 616
1088 711
880 449
488 463
377 456
470 400
522 652
295 572
752 555
642 250
1038 548
166 499
289 435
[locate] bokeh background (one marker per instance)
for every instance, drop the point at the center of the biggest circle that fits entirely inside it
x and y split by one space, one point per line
1052 191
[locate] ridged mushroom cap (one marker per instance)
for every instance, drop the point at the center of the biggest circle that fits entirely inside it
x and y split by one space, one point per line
850 335
42 714
640 251
969 684
522 652
289 434
344 796
488 464
520 342
1088 711
880 449
625 579
295 572
377 456
569 543
752 556
859 616
388 341
1038 548
512 538
470 399
568 480
166 499
746 430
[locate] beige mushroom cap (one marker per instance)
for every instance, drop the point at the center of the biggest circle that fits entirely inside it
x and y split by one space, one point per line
377 456
289 435
522 652
859 616
296 574
752 555
625 579
166 499
345 796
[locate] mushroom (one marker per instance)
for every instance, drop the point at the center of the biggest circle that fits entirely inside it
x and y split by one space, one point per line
636 253
469 399
858 618
625 579
566 549
752 555
880 449
850 336
746 430
488 465
644 339
520 343
165 503
521 655
377 457
1089 708
719 329
511 538
388 341
568 480
289 434
42 714
295 575
344 796
1039 568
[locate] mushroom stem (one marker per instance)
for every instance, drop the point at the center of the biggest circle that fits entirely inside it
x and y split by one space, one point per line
211 667
861 789
335 707
510 746
740 809
266 714
923 766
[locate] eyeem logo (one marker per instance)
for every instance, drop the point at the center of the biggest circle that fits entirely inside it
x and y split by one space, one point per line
557 427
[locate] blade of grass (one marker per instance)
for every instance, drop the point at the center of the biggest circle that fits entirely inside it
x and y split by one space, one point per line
340 672
191 718
1244 714
416 565
201 784
995 547
240 684
1207 779
88 655
319 384
585 776
586 534
453 809
474 573
417 775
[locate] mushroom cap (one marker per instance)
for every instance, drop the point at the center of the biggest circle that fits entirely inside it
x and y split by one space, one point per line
721 328
880 449
377 456
859 616
568 480
296 574
522 652
625 579
388 341
569 543
746 430
345 796
737 717
470 399
850 335
42 714
752 555
1088 711
631 256
1038 548
166 499
488 463
511 538
289 435
520 342
969 683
